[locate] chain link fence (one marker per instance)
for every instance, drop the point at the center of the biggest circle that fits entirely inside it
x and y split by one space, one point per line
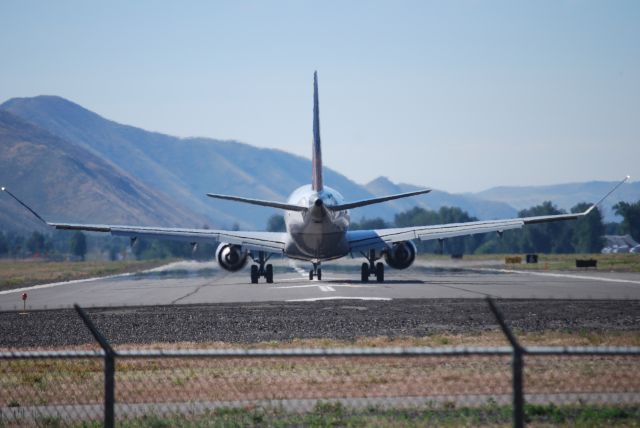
318 387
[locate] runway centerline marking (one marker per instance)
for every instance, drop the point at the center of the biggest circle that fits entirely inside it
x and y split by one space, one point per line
563 275
315 299
303 273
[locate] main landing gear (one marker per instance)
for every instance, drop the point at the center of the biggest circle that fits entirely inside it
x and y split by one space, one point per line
372 268
316 271
261 269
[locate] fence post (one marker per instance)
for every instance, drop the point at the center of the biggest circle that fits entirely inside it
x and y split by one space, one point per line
517 365
109 368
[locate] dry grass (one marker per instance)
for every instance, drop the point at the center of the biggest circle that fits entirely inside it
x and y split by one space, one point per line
465 380
488 338
45 382
22 273
564 262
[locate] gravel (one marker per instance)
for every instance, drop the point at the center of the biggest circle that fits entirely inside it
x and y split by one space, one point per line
257 322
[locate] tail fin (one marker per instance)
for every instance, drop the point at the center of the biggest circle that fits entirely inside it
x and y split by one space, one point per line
316 157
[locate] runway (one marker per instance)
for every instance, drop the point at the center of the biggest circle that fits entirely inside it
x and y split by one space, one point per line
185 283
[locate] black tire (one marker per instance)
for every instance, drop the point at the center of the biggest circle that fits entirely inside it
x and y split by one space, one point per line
310 275
319 274
254 274
364 272
269 273
380 272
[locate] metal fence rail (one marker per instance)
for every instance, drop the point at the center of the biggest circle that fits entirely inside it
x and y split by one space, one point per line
299 386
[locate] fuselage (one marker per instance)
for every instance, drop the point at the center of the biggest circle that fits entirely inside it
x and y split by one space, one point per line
318 233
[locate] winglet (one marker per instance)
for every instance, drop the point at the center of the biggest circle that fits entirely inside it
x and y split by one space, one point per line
4 189
607 195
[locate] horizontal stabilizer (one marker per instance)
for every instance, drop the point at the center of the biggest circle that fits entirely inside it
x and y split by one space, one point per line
272 204
365 202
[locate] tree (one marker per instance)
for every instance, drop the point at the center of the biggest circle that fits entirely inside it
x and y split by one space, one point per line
630 214
4 245
276 223
78 244
588 230
369 223
553 237
421 217
35 243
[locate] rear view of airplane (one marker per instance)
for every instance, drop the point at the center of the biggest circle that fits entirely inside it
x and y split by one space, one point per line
317 228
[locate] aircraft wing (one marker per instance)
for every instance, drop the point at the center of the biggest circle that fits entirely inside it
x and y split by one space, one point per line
272 242
379 239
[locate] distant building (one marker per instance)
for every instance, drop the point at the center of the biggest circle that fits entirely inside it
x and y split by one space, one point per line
620 244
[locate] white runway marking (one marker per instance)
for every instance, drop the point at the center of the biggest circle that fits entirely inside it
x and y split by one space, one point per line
304 273
78 281
328 278
55 284
315 299
563 275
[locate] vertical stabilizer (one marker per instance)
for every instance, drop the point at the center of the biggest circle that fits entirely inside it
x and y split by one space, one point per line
316 156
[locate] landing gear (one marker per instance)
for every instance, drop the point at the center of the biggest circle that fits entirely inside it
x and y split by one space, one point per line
364 272
261 268
316 271
372 268
379 272
254 274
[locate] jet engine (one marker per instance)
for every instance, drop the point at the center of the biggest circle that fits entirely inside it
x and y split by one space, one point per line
231 257
400 255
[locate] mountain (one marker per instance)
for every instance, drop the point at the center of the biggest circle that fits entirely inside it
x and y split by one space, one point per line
74 165
65 182
477 207
184 170
565 196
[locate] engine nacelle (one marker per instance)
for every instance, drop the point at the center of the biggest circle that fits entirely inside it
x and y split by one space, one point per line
231 257
401 255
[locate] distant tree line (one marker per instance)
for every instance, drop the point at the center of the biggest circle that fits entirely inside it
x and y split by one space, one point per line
584 235
60 245
579 236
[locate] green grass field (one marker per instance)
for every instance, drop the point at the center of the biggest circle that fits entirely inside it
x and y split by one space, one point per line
23 273
336 415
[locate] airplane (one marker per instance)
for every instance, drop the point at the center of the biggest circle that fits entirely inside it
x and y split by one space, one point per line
317 228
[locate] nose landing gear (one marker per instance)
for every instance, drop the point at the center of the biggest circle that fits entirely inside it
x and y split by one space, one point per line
316 271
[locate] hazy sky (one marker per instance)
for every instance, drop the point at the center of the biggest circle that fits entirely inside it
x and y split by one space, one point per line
459 96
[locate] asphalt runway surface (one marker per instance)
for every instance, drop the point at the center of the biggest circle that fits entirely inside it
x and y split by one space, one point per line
188 302
188 283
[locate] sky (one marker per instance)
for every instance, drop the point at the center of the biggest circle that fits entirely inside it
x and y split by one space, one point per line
455 95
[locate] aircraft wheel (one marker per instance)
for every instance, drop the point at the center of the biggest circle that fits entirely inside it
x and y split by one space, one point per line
269 273
319 274
380 272
310 275
364 272
254 274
